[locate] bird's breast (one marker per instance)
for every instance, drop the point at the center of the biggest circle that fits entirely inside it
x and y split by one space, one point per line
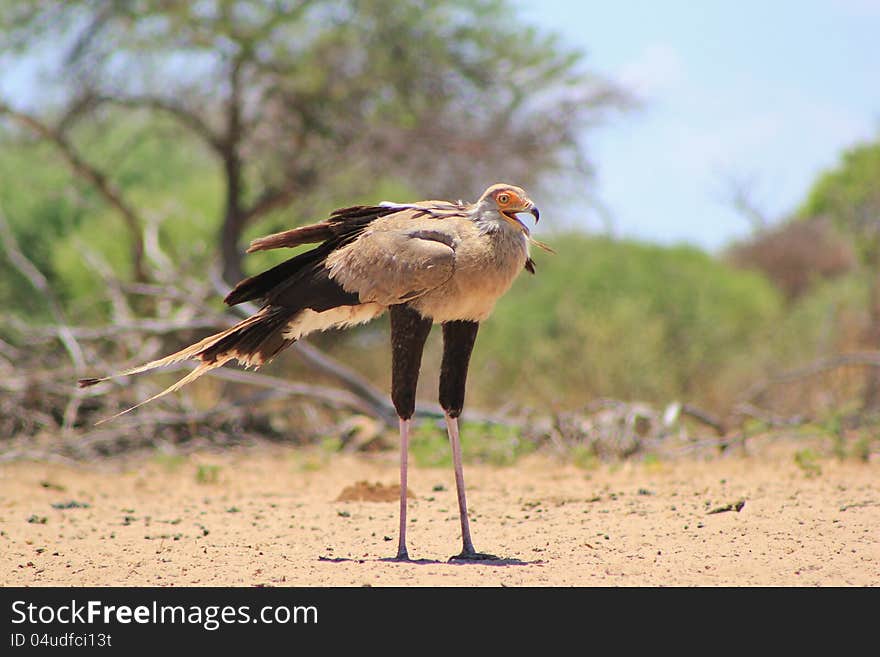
485 267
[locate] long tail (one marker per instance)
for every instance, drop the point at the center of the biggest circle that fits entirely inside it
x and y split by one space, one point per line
252 342
296 296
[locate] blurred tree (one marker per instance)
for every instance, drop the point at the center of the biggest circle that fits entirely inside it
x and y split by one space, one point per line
795 255
616 318
849 196
296 96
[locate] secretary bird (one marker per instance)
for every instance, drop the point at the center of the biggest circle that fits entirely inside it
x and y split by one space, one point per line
429 262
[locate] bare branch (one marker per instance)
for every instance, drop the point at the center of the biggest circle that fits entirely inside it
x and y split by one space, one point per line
8 350
859 358
176 110
768 418
322 363
91 31
271 199
39 282
153 250
36 278
741 196
332 396
91 174
79 107
705 417
153 326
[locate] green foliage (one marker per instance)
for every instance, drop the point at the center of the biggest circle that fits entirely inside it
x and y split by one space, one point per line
826 320
494 444
849 194
169 462
429 446
35 199
208 474
851 184
808 461
834 427
862 447
584 457
623 319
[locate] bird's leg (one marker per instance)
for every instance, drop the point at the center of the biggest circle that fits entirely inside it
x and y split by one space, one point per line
402 554
458 342
467 550
409 330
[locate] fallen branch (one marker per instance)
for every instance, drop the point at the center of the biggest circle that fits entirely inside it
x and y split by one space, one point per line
733 506
705 417
152 326
768 418
331 396
859 359
323 364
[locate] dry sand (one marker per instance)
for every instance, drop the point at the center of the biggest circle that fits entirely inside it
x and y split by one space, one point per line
272 517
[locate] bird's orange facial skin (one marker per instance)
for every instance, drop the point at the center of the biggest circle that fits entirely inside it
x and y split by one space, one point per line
508 200
509 203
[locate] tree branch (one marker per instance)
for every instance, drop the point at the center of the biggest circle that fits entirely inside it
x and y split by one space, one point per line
858 358
175 110
330 396
233 217
271 199
96 178
39 282
152 326
705 417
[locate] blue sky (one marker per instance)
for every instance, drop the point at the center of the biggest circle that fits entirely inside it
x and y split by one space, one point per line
764 93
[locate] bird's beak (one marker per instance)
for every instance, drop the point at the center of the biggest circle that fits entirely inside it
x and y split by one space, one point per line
510 215
532 209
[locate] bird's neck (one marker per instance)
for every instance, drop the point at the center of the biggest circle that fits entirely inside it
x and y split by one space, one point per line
490 221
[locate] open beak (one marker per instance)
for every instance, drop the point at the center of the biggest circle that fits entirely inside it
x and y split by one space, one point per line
513 219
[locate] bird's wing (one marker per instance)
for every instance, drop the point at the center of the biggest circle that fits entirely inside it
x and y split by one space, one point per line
399 257
344 227
345 224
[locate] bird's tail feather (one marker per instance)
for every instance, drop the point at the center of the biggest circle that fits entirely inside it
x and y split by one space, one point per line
293 237
252 342
192 376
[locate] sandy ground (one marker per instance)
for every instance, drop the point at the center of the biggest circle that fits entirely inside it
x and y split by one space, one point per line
272 517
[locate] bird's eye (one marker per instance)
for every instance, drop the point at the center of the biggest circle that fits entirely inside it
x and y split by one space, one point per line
503 199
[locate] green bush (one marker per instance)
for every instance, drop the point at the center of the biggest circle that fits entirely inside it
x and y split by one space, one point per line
623 319
493 444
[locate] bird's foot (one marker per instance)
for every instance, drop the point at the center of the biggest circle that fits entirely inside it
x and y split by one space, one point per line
402 555
472 555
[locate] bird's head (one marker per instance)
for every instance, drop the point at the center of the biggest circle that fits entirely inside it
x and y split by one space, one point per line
507 201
